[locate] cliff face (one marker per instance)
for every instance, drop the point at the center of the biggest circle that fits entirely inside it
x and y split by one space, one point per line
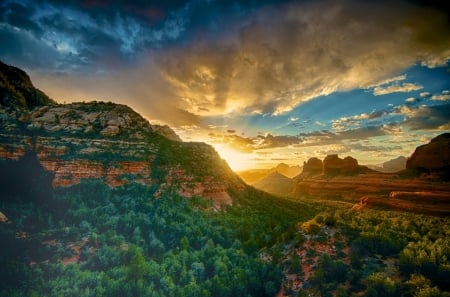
312 167
432 158
330 166
104 141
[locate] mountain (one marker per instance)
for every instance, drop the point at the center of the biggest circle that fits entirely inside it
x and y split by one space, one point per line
252 176
393 165
286 170
104 140
275 183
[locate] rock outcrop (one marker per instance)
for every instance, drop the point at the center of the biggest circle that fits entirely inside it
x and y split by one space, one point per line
107 141
17 91
312 167
333 165
432 158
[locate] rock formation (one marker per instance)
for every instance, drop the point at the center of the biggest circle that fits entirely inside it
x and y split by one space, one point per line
333 165
17 91
312 167
432 158
108 141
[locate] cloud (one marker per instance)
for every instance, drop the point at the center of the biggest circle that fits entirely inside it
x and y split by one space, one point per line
444 96
389 80
355 121
286 55
369 148
94 36
317 138
242 144
180 61
427 117
270 141
396 88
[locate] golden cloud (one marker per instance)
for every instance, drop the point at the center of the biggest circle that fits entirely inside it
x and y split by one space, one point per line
280 58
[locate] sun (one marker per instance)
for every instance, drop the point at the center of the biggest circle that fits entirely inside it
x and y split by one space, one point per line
236 160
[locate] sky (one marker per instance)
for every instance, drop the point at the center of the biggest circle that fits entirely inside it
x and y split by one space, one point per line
264 82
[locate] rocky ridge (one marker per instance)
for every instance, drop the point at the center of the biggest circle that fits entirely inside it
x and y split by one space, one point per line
108 141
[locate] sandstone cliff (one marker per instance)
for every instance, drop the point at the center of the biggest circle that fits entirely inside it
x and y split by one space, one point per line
98 140
333 165
312 167
330 166
432 158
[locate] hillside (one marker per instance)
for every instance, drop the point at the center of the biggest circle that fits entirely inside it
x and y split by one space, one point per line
106 141
93 190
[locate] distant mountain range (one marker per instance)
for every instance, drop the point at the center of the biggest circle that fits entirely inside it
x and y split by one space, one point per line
393 165
252 176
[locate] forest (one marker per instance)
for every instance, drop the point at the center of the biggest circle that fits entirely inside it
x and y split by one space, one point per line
93 240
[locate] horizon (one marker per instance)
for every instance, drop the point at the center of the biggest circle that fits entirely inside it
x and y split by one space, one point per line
264 83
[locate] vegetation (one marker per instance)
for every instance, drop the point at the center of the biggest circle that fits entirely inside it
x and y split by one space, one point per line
93 240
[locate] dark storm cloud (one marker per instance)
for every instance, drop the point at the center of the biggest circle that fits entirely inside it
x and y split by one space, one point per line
20 16
91 33
23 49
